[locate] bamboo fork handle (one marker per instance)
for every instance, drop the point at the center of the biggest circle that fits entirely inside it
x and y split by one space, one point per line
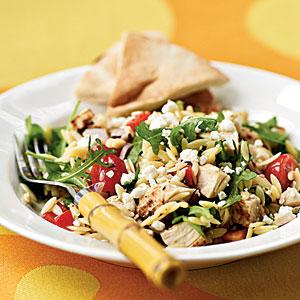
131 240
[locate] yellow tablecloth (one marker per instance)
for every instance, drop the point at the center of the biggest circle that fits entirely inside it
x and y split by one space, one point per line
43 36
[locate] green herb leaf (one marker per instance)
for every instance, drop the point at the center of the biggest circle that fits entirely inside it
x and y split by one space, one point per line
68 201
232 199
136 149
154 136
58 143
34 131
265 131
200 211
235 196
204 124
220 117
176 137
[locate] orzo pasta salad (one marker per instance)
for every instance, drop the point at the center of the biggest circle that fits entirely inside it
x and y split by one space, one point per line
189 178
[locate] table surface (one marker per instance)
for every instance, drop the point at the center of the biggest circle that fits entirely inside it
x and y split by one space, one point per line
42 36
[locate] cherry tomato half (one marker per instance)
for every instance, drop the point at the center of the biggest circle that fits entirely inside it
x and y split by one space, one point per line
139 118
188 178
64 220
109 176
280 168
50 217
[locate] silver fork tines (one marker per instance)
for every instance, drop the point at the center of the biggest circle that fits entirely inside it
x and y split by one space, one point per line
29 171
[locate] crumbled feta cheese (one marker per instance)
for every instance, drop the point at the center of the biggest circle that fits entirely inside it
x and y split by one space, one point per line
238 170
117 122
170 106
166 133
222 195
284 215
164 120
149 173
214 135
110 173
227 126
128 201
139 191
267 220
258 143
243 164
158 225
190 155
228 170
221 203
127 178
203 160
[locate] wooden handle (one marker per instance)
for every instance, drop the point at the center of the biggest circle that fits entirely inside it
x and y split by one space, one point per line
132 240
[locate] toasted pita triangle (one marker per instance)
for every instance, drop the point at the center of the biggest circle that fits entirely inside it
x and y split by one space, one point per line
154 69
98 83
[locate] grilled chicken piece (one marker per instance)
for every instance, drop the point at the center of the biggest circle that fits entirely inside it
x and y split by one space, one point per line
211 180
248 210
82 120
160 194
290 197
182 235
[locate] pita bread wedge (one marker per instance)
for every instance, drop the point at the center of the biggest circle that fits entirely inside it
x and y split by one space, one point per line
98 83
155 69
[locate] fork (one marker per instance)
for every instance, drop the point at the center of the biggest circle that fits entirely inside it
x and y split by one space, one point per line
131 239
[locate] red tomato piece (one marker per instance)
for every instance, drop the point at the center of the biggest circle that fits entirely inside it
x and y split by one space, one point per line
62 207
64 220
50 217
280 168
188 179
139 118
109 176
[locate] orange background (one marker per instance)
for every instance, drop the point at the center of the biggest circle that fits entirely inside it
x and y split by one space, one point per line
39 37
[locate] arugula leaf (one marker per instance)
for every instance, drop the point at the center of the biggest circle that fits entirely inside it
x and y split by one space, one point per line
204 124
95 157
199 211
57 143
265 131
136 149
64 172
223 154
68 201
235 196
34 131
220 117
232 199
154 136
176 137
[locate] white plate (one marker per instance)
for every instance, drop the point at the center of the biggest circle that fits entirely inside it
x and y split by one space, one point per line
50 100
